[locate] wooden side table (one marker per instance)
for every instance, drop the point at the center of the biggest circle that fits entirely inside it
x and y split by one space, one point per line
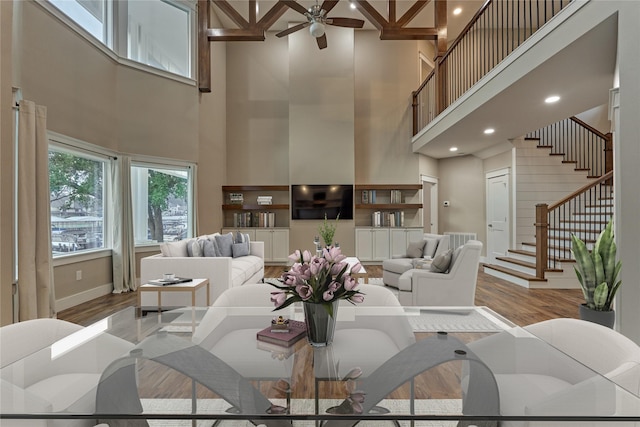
191 286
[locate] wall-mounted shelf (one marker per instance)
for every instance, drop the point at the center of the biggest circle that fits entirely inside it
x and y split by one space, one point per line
247 212
405 199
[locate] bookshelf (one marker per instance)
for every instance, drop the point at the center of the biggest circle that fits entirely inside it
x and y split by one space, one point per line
240 206
401 201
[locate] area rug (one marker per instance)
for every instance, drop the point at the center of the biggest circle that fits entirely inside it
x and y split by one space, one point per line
215 406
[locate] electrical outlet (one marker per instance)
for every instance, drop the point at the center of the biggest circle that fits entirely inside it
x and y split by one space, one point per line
79 275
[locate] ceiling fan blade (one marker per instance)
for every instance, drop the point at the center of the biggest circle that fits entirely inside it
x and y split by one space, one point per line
292 29
327 5
346 22
322 41
295 6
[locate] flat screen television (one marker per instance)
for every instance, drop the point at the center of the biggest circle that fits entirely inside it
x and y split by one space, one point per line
314 201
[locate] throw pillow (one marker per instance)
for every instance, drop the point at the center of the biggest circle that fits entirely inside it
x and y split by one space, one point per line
430 247
415 249
443 245
440 264
209 248
174 249
240 249
225 241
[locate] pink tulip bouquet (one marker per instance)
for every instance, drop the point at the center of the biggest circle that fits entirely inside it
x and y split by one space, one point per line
318 280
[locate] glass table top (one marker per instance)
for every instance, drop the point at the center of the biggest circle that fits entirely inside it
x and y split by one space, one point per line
437 364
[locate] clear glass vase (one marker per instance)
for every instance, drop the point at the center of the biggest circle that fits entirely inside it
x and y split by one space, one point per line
320 324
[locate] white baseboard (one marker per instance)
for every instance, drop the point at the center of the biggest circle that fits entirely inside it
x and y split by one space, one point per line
82 297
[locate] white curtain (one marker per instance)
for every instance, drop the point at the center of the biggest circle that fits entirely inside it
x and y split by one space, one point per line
123 247
36 297
194 199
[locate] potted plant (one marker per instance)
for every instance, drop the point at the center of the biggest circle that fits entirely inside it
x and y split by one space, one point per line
327 230
597 271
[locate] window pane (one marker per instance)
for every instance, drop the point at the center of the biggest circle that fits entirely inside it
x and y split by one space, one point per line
158 35
89 14
77 204
161 204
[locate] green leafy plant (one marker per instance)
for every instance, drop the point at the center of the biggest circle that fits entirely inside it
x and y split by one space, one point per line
597 270
327 230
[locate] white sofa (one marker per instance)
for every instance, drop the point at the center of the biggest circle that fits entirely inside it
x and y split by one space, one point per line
223 272
455 287
393 268
37 378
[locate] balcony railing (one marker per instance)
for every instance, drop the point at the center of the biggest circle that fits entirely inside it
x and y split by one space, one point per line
494 32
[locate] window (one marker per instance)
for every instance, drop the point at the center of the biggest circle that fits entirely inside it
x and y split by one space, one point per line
159 35
88 14
162 203
77 194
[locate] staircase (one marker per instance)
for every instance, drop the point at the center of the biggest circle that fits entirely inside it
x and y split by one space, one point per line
585 212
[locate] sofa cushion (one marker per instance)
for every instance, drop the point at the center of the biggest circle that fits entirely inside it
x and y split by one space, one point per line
240 249
415 249
225 242
397 265
431 244
440 264
195 247
174 249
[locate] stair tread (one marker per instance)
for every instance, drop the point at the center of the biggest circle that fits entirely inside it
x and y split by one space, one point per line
533 254
516 261
566 249
515 273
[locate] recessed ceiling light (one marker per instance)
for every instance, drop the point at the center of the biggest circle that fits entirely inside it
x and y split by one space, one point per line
453 149
457 11
352 5
552 99
489 131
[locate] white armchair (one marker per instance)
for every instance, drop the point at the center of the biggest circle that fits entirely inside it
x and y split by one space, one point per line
456 287
535 379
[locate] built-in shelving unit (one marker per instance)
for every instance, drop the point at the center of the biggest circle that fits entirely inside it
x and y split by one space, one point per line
232 210
401 200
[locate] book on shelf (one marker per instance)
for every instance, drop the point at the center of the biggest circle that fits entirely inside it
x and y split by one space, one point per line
376 219
266 219
297 330
365 197
396 196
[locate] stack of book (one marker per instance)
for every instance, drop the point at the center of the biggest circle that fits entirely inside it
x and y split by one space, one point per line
266 219
264 200
283 337
242 219
396 196
236 198
395 219
368 196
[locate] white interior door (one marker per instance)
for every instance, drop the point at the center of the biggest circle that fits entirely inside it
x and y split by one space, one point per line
429 204
497 215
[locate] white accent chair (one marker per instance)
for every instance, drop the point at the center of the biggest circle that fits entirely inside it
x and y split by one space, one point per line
456 287
534 378
34 379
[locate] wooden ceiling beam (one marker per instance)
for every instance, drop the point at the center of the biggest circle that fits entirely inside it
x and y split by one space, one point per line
233 14
395 33
204 47
371 14
235 34
272 15
412 12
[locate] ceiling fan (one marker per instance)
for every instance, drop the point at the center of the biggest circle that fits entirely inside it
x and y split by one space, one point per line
317 19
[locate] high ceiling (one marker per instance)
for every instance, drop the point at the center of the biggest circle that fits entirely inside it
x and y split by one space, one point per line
424 19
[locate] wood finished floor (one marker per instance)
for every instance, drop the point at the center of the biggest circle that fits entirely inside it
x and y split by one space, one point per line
520 305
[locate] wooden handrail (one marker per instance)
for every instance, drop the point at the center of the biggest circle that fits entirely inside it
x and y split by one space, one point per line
581 190
589 127
424 82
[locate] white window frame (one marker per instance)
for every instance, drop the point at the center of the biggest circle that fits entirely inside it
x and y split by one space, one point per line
75 146
118 37
161 163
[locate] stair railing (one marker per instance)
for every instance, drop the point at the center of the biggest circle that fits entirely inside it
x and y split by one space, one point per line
493 33
588 148
585 212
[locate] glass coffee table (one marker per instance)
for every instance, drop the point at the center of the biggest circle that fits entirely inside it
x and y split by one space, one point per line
384 365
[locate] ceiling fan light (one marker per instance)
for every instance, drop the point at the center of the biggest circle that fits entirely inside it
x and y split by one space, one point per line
317 29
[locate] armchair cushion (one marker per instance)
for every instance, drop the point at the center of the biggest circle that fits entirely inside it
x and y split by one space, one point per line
415 249
440 264
431 244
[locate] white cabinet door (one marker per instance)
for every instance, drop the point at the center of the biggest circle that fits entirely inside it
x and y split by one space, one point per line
280 246
414 235
364 244
276 244
380 244
372 244
398 239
